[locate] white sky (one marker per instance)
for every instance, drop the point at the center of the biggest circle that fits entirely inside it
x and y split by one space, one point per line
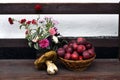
59 1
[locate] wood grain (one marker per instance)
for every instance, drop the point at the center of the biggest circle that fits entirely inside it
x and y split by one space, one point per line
101 69
60 8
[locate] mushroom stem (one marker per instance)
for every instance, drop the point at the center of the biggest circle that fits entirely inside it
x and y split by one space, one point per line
51 67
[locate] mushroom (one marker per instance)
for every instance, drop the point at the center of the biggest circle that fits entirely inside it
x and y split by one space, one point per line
47 59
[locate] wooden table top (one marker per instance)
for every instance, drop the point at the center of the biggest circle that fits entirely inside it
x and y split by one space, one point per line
23 69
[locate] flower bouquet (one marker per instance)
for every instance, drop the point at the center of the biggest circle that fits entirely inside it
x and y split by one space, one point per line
40 33
44 37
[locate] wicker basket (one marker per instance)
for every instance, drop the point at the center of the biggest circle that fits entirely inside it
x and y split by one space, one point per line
80 65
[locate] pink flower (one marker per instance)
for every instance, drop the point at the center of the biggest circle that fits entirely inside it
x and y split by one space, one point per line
43 43
48 17
55 22
52 31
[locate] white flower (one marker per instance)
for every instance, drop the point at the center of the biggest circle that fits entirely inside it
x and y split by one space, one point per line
35 39
55 39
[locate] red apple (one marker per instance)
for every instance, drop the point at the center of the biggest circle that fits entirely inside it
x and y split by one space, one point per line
65 46
61 52
67 56
69 50
70 44
81 40
81 48
91 52
73 41
75 46
80 57
86 55
88 45
74 56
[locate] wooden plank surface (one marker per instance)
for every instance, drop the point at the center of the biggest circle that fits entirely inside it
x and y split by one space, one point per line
60 8
101 69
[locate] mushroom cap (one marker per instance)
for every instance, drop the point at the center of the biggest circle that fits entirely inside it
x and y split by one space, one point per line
40 62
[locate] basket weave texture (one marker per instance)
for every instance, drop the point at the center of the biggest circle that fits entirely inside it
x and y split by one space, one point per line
79 65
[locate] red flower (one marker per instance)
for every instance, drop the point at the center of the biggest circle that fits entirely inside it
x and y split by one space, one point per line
28 22
23 21
26 32
10 20
38 7
34 21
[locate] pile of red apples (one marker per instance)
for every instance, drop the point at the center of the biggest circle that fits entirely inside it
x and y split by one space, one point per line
79 49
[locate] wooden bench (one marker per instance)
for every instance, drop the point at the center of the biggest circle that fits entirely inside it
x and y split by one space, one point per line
17 58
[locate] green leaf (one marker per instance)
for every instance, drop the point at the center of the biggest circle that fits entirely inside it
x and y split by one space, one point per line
34 35
46 35
28 37
30 44
38 30
20 26
36 46
27 26
48 47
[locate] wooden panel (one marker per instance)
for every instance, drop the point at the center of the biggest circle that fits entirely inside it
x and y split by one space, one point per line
97 42
17 53
30 53
24 70
60 8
